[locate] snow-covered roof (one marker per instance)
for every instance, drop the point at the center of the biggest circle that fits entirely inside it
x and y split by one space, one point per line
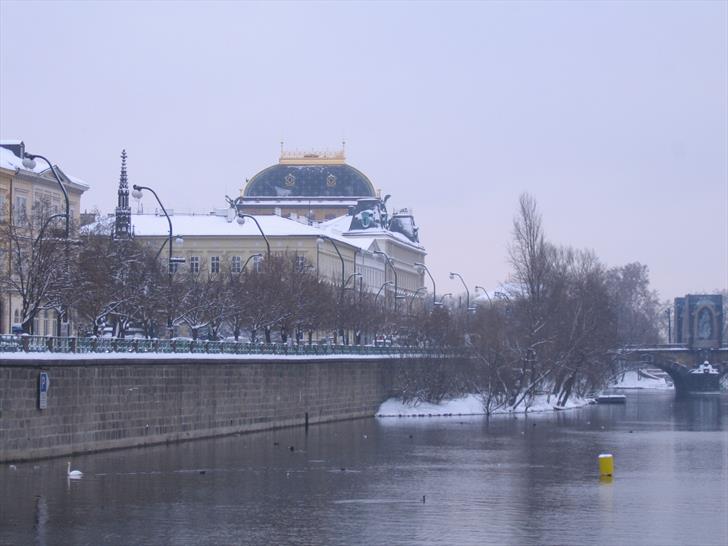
340 227
211 225
11 162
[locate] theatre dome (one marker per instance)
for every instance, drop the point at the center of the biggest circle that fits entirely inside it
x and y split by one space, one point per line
310 175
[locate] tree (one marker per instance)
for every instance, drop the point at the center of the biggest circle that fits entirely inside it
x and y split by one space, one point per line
118 283
38 263
636 306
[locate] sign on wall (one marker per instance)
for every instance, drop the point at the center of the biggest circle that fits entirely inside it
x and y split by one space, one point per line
43 384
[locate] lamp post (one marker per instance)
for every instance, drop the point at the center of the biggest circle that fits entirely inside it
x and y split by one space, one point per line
484 292
351 277
467 292
394 271
241 221
137 194
258 255
45 225
423 267
29 163
388 283
412 299
319 242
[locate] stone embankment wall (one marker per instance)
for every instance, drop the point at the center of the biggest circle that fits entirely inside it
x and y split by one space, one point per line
105 404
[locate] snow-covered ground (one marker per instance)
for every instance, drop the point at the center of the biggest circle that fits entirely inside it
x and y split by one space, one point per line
472 405
632 380
468 405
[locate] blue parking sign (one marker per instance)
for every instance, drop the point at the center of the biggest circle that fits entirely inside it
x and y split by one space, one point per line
43 384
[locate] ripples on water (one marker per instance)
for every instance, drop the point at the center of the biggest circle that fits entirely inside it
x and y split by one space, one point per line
503 481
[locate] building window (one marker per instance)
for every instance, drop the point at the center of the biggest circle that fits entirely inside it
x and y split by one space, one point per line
195 264
21 208
173 267
2 207
237 264
215 264
257 263
300 263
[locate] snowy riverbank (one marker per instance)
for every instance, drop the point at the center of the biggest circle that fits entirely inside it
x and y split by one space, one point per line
472 403
469 405
633 380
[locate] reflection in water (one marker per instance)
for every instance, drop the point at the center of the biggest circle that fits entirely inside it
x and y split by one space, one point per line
698 412
41 518
504 480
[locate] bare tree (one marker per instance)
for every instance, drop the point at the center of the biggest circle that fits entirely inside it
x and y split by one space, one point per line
38 262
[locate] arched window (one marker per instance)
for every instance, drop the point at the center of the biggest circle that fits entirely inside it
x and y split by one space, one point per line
704 328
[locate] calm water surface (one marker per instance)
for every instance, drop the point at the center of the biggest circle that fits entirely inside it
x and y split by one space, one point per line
504 481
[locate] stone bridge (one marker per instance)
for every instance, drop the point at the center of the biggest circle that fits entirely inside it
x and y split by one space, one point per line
678 361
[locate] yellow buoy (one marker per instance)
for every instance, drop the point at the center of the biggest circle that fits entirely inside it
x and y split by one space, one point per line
606 464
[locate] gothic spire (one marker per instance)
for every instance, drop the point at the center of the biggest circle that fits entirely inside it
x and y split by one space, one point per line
122 227
123 181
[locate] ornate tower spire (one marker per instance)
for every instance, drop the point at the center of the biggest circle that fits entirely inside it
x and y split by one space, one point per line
123 181
122 223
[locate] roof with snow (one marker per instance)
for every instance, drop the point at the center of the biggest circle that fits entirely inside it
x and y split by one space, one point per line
214 225
12 162
340 227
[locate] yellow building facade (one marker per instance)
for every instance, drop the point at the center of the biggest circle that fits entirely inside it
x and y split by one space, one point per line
23 188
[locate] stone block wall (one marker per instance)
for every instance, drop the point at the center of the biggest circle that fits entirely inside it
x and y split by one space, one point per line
105 404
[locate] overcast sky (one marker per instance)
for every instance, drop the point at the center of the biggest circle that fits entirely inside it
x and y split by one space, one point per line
614 116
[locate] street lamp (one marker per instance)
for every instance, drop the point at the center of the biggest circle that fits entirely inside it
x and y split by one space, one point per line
29 163
351 277
45 225
258 255
241 221
388 283
484 292
467 292
442 299
319 242
137 194
414 295
394 271
423 267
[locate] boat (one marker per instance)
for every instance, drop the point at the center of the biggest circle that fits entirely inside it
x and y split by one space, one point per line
705 368
703 379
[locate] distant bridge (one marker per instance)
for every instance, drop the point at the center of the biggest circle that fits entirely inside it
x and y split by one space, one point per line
678 361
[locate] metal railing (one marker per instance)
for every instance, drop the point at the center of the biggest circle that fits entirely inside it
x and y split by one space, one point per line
82 345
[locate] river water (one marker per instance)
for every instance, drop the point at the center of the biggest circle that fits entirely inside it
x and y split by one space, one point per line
502 481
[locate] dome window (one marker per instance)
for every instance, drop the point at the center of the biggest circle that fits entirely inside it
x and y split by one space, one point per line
331 181
290 180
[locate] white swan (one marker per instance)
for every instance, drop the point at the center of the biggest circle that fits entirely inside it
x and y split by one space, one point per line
74 473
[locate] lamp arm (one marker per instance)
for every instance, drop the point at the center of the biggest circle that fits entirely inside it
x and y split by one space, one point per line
267 244
63 188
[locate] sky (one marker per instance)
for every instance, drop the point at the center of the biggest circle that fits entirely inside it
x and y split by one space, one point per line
612 115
